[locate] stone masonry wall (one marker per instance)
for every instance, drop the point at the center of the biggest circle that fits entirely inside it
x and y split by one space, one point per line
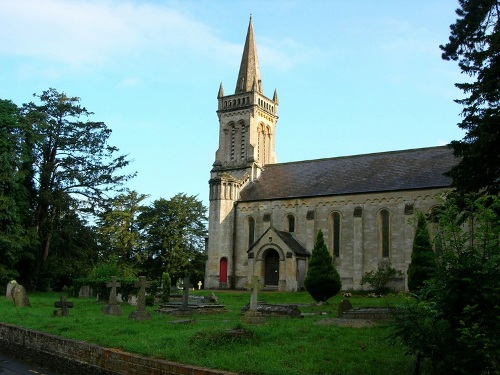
80 358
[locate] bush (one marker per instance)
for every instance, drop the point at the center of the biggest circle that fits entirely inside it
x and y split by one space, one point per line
423 259
166 287
380 278
455 322
322 280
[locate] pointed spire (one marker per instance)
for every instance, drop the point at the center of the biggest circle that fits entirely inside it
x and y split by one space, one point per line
275 97
249 68
221 91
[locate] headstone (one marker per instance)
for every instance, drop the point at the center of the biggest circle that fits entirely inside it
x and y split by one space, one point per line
213 298
199 284
132 300
10 286
20 297
113 307
85 292
252 316
344 305
141 313
63 305
184 309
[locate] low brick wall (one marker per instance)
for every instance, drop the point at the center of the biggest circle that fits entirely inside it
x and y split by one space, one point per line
72 357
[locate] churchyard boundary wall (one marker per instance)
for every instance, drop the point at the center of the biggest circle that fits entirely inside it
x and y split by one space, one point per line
71 357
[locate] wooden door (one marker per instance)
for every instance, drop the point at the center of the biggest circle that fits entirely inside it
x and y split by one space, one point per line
272 264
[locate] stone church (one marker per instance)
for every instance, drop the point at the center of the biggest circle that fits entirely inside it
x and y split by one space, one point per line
264 216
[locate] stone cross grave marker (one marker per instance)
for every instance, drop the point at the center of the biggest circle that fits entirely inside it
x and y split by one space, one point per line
199 284
113 284
185 293
253 286
63 304
141 313
113 307
252 316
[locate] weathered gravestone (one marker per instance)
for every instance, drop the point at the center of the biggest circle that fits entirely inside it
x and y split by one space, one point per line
344 306
85 292
19 296
184 309
252 316
63 306
141 313
10 286
113 307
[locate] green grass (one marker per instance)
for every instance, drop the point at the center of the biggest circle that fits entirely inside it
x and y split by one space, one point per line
280 346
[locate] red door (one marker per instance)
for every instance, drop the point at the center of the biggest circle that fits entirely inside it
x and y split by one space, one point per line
223 270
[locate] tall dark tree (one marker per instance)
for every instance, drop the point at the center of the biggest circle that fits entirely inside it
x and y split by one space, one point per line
475 43
16 233
71 158
322 280
423 259
173 232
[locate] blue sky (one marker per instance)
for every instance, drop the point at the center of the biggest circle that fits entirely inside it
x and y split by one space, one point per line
352 76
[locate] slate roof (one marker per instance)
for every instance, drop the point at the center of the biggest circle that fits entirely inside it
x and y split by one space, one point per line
287 238
421 168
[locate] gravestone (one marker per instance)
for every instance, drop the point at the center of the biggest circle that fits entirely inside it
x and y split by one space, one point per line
63 305
344 306
10 286
184 309
19 296
85 292
141 313
199 284
252 316
113 307
275 310
132 300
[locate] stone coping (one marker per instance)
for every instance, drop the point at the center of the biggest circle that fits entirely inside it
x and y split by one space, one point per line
72 357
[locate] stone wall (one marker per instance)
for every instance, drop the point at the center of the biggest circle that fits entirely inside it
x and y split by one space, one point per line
80 358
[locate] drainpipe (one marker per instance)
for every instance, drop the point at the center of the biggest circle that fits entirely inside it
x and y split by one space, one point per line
233 276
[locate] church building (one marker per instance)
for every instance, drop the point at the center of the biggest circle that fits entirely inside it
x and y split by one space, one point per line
264 216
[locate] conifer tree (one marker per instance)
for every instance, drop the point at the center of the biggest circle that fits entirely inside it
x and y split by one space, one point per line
322 279
423 259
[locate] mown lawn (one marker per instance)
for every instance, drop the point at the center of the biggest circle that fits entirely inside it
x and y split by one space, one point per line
286 346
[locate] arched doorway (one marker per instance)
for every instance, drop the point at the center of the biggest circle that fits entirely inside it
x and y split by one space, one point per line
272 266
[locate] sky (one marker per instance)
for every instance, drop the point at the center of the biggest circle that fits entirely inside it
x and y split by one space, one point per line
353 77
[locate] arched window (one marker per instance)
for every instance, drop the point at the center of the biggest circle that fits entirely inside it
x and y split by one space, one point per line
384 233
223 270
335 233
290 223
251 231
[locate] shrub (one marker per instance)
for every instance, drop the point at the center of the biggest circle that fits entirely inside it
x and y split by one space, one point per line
423 259
455 322
166 286
322 279
379 279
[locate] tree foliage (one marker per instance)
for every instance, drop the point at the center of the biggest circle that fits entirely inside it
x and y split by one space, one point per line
322 280
174 233
455 322
475 43
119 227
423 259
17 233
380 278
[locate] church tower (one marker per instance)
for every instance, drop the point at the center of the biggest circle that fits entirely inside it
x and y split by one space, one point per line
247 123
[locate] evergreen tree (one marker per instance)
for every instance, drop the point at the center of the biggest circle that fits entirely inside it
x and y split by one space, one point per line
322 279
475 43
423 259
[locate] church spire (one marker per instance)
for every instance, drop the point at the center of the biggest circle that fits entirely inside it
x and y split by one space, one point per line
249 68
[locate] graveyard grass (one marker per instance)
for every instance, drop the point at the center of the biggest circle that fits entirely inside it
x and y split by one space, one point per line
281 345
